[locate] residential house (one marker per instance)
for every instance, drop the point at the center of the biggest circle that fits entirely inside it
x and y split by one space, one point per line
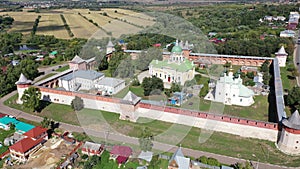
90 149
32 142
146 155
120 153
287 33
179 161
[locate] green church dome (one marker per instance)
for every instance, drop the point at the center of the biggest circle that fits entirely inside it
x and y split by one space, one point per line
176 49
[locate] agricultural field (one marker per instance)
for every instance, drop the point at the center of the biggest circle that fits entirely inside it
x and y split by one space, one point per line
23 21
118 28
52 25
118 23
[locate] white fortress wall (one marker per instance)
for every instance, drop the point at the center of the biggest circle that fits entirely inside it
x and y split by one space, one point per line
225 127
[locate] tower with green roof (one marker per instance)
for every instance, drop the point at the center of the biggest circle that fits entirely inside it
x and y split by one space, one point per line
177 69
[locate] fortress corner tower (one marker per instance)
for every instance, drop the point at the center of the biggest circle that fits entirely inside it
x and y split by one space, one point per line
289 141
22 84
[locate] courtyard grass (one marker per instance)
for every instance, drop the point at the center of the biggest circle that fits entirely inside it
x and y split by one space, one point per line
288 82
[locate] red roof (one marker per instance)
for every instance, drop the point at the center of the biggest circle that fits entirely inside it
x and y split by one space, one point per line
121 151
2 115
25 144
121 159
35 132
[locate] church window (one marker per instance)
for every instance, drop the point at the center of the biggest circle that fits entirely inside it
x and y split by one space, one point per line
234 95
226 94
219 93
296 147
156 74
165 76
297 141
241 100
160 75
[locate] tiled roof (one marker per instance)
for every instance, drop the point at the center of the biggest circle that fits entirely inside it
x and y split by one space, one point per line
84 74
92 146
35 132
77 59
25 144
281 51
121 151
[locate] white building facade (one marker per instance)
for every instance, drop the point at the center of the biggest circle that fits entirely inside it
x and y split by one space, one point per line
281 55
175 70
231 91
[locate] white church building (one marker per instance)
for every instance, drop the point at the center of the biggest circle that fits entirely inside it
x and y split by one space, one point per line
231 91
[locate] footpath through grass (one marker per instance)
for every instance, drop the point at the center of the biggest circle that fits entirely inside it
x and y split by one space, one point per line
219 143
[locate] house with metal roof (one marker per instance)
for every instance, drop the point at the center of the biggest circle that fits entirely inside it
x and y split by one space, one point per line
90 148
179 161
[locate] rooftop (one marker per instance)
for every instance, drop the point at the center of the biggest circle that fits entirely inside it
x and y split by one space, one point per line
293 121
23 80
112 82
25 144
91 146
84 74
281 51
185 66
124 151
131 97
35 132
182 162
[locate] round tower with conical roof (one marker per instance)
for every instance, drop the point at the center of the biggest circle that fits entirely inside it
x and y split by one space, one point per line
289 141
22 84
281 55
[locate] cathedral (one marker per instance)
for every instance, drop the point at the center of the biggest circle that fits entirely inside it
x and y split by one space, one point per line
175 69
231 91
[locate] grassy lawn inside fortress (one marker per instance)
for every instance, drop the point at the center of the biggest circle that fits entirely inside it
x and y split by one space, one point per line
219 143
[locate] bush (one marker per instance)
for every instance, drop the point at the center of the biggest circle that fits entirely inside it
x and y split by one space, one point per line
84 156
77 104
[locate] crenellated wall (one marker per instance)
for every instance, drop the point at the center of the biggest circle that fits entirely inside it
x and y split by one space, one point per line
128 111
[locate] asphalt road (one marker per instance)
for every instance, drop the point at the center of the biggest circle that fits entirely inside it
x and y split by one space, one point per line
130 140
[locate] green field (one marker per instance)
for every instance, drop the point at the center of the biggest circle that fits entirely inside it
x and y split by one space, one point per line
62 68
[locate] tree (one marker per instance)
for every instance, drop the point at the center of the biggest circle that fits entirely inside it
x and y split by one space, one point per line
265 66
266 78
146 140
227 64
151 84
31 98
12 126
204 90
103 64
77 104
175 87
45 122
293 98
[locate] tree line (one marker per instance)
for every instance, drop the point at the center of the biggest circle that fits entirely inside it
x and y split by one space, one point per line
35 25
67 27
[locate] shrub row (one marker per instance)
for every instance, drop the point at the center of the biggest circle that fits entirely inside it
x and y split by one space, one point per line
66 25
